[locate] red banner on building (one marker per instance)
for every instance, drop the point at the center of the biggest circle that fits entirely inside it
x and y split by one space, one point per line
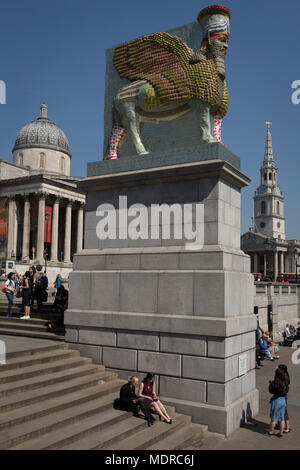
47 225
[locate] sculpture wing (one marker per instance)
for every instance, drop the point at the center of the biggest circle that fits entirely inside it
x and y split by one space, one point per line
164 61
155 58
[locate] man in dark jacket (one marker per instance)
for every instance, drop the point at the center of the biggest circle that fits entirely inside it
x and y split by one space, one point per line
130 401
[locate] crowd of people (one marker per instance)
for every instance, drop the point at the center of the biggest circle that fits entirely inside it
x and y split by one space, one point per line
32 287
292 333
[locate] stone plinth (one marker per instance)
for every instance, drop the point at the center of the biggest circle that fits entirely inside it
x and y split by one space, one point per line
159 305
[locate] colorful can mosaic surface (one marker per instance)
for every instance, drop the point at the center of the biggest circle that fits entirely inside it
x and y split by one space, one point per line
163 60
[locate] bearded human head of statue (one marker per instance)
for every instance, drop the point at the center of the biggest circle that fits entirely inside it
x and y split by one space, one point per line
215 23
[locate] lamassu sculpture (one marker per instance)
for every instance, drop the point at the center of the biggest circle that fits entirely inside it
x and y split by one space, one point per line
168 80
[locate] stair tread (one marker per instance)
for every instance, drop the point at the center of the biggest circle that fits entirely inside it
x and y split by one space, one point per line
55 376
18 399
18 320
23 326
42 357
56 437
181 435
150 435
48 406
97 439
57 420
14 373
37 350
31 334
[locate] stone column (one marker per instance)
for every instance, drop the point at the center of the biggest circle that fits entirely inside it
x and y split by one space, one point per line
79 243
275 265
26 228
255 263
68 225
282 261
54 233
12 227
41 228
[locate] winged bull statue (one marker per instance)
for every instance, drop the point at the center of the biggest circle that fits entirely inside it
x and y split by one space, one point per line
169 80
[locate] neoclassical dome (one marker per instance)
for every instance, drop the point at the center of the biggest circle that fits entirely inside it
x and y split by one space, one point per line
42 133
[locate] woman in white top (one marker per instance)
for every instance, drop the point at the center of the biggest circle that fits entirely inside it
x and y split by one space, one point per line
10 288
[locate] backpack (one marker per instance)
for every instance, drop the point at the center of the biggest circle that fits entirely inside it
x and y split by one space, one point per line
3 287
43 282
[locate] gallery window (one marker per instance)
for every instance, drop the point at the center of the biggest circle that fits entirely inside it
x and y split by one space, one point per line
62 164
42 160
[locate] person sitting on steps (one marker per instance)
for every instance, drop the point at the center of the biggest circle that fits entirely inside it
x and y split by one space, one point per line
129 401
147 391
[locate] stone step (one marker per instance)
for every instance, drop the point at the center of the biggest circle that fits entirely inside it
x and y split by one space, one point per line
43 357
68 434
42 369
23 325
105 437
19 321
36 351
55 378
150 436
179 439
56 405
31 334
55 390
52 422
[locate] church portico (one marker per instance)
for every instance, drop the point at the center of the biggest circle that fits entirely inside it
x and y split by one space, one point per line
270 252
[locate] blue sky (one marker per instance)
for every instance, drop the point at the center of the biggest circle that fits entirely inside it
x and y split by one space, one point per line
55 52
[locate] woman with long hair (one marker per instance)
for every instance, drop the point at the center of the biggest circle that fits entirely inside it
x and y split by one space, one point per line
147 391
26 293
279 389
10 288
284 369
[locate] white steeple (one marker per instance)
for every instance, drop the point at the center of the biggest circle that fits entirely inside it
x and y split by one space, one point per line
268 199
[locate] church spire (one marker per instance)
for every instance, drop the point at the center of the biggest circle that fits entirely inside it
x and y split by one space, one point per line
268 150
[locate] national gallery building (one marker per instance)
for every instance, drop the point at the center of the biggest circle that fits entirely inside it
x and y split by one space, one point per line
41 207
